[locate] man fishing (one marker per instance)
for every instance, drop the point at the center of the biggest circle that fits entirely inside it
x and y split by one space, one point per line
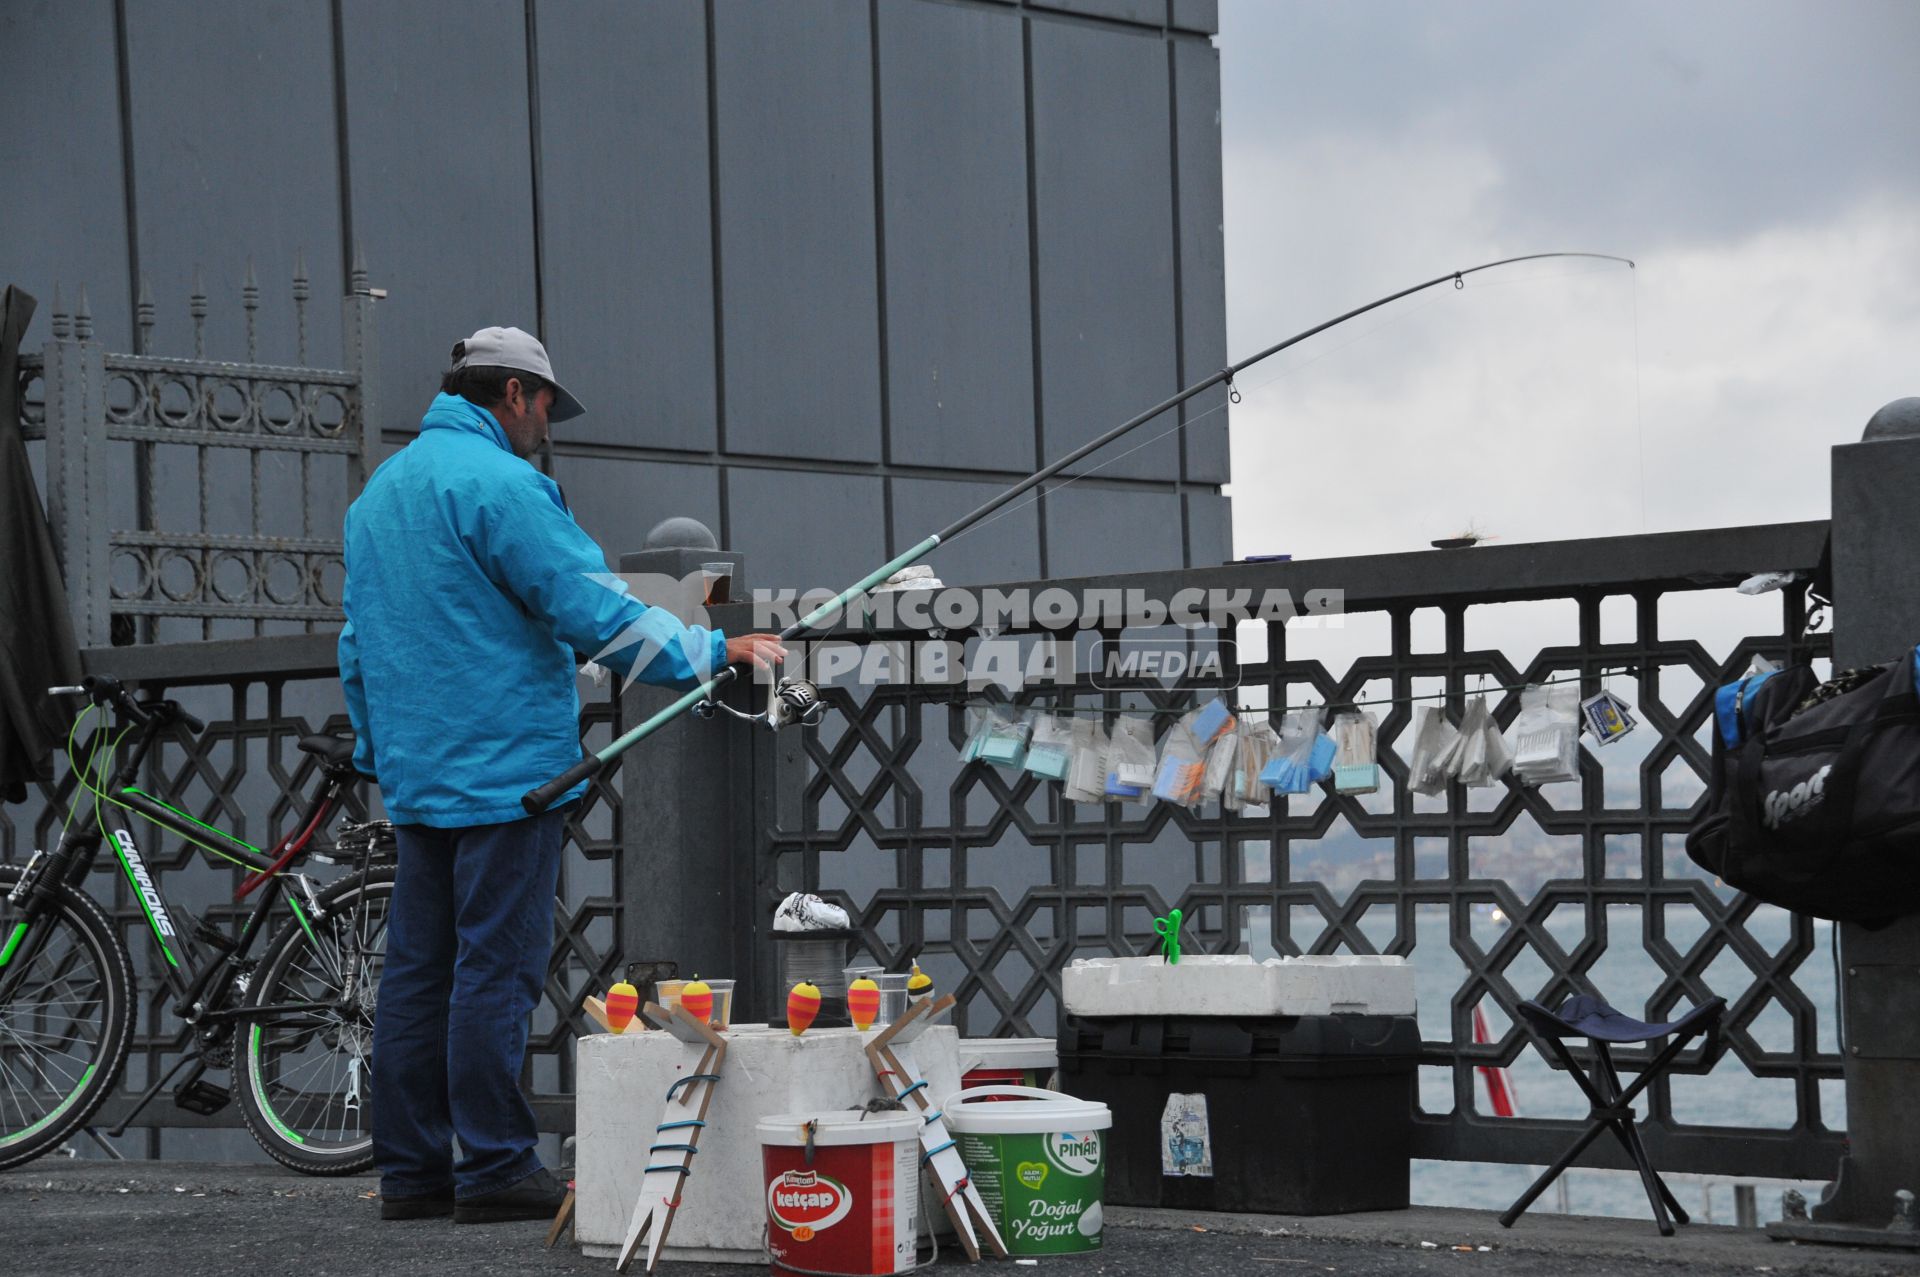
469 590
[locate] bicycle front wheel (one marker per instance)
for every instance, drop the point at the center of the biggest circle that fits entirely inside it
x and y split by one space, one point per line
305 1060
66 1017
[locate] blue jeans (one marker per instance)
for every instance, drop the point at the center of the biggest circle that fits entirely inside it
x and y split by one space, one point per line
468 938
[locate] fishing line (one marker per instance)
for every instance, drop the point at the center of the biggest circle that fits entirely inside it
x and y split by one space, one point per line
779 711
1285 371
1639 426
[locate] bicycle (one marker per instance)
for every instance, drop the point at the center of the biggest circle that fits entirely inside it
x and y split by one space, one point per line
294 1027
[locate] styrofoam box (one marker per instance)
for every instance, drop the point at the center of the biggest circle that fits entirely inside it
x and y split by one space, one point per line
1234 984
621 1086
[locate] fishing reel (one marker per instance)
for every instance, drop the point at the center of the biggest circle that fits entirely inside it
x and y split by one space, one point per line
791 701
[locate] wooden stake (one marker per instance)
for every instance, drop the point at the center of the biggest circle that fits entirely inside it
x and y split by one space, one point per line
650 1221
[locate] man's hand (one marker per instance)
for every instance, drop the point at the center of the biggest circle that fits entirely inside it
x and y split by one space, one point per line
763 651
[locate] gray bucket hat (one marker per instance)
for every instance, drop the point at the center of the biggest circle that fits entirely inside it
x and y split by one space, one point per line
521 351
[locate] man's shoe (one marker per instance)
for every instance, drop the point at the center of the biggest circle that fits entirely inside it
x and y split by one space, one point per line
538 1196
421 1206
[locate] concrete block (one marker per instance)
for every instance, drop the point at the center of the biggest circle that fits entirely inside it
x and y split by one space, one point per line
1234 984
622 1084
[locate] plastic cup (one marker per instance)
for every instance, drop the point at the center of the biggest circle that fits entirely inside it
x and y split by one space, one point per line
893 996
722 1003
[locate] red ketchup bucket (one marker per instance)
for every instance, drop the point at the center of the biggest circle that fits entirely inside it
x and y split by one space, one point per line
843 1192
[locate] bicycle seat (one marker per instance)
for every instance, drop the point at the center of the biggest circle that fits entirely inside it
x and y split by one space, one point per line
334 751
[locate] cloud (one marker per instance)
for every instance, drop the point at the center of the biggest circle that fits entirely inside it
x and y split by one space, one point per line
1655 122
1518 404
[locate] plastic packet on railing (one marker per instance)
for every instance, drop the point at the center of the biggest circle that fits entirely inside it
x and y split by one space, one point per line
1130 759
1429 770
1545 736
1182 768
1258 744
1608 717
978 718
1006 739
1478 755
1356 765
1209 722
1087 770
1220 756
1305 754
1050 747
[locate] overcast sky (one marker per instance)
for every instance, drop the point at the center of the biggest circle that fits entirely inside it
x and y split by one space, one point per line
1757 159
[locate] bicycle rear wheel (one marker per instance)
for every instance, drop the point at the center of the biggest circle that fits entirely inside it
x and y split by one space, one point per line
305 1076
66 1017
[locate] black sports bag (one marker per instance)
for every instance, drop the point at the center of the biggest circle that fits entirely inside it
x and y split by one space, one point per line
1814 799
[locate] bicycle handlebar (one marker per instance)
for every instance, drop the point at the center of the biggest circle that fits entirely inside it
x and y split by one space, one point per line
105 689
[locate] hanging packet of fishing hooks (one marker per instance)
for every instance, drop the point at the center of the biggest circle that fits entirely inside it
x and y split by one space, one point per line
1210 721
1246 792
1305 756
1479 756
1087 770
1429 770
1182 767
998 735
1220 756
1050 747
1544 738
1356 765
1130 760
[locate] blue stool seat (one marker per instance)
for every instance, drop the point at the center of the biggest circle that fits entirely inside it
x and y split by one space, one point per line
1589 1017
1582 1016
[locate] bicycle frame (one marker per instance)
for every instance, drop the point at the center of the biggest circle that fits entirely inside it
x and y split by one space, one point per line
200 990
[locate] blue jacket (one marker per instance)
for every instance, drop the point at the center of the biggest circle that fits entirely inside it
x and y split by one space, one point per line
469 589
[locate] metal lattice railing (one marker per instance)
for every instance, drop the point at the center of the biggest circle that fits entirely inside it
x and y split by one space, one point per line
995 883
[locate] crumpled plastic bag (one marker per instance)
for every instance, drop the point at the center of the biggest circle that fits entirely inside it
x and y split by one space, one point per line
804 912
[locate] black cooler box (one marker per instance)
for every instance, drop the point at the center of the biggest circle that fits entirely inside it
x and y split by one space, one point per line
1295 1115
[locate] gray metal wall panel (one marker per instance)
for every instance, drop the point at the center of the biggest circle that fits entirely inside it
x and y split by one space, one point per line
804 530
235 153
1105 222
442 180
793 87
1151 13
1203 255
1005 548
959 331
64 217
1209 529
1097 531
618 501
1202 16
626 224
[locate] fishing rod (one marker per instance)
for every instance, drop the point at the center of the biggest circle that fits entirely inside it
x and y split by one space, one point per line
798 701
